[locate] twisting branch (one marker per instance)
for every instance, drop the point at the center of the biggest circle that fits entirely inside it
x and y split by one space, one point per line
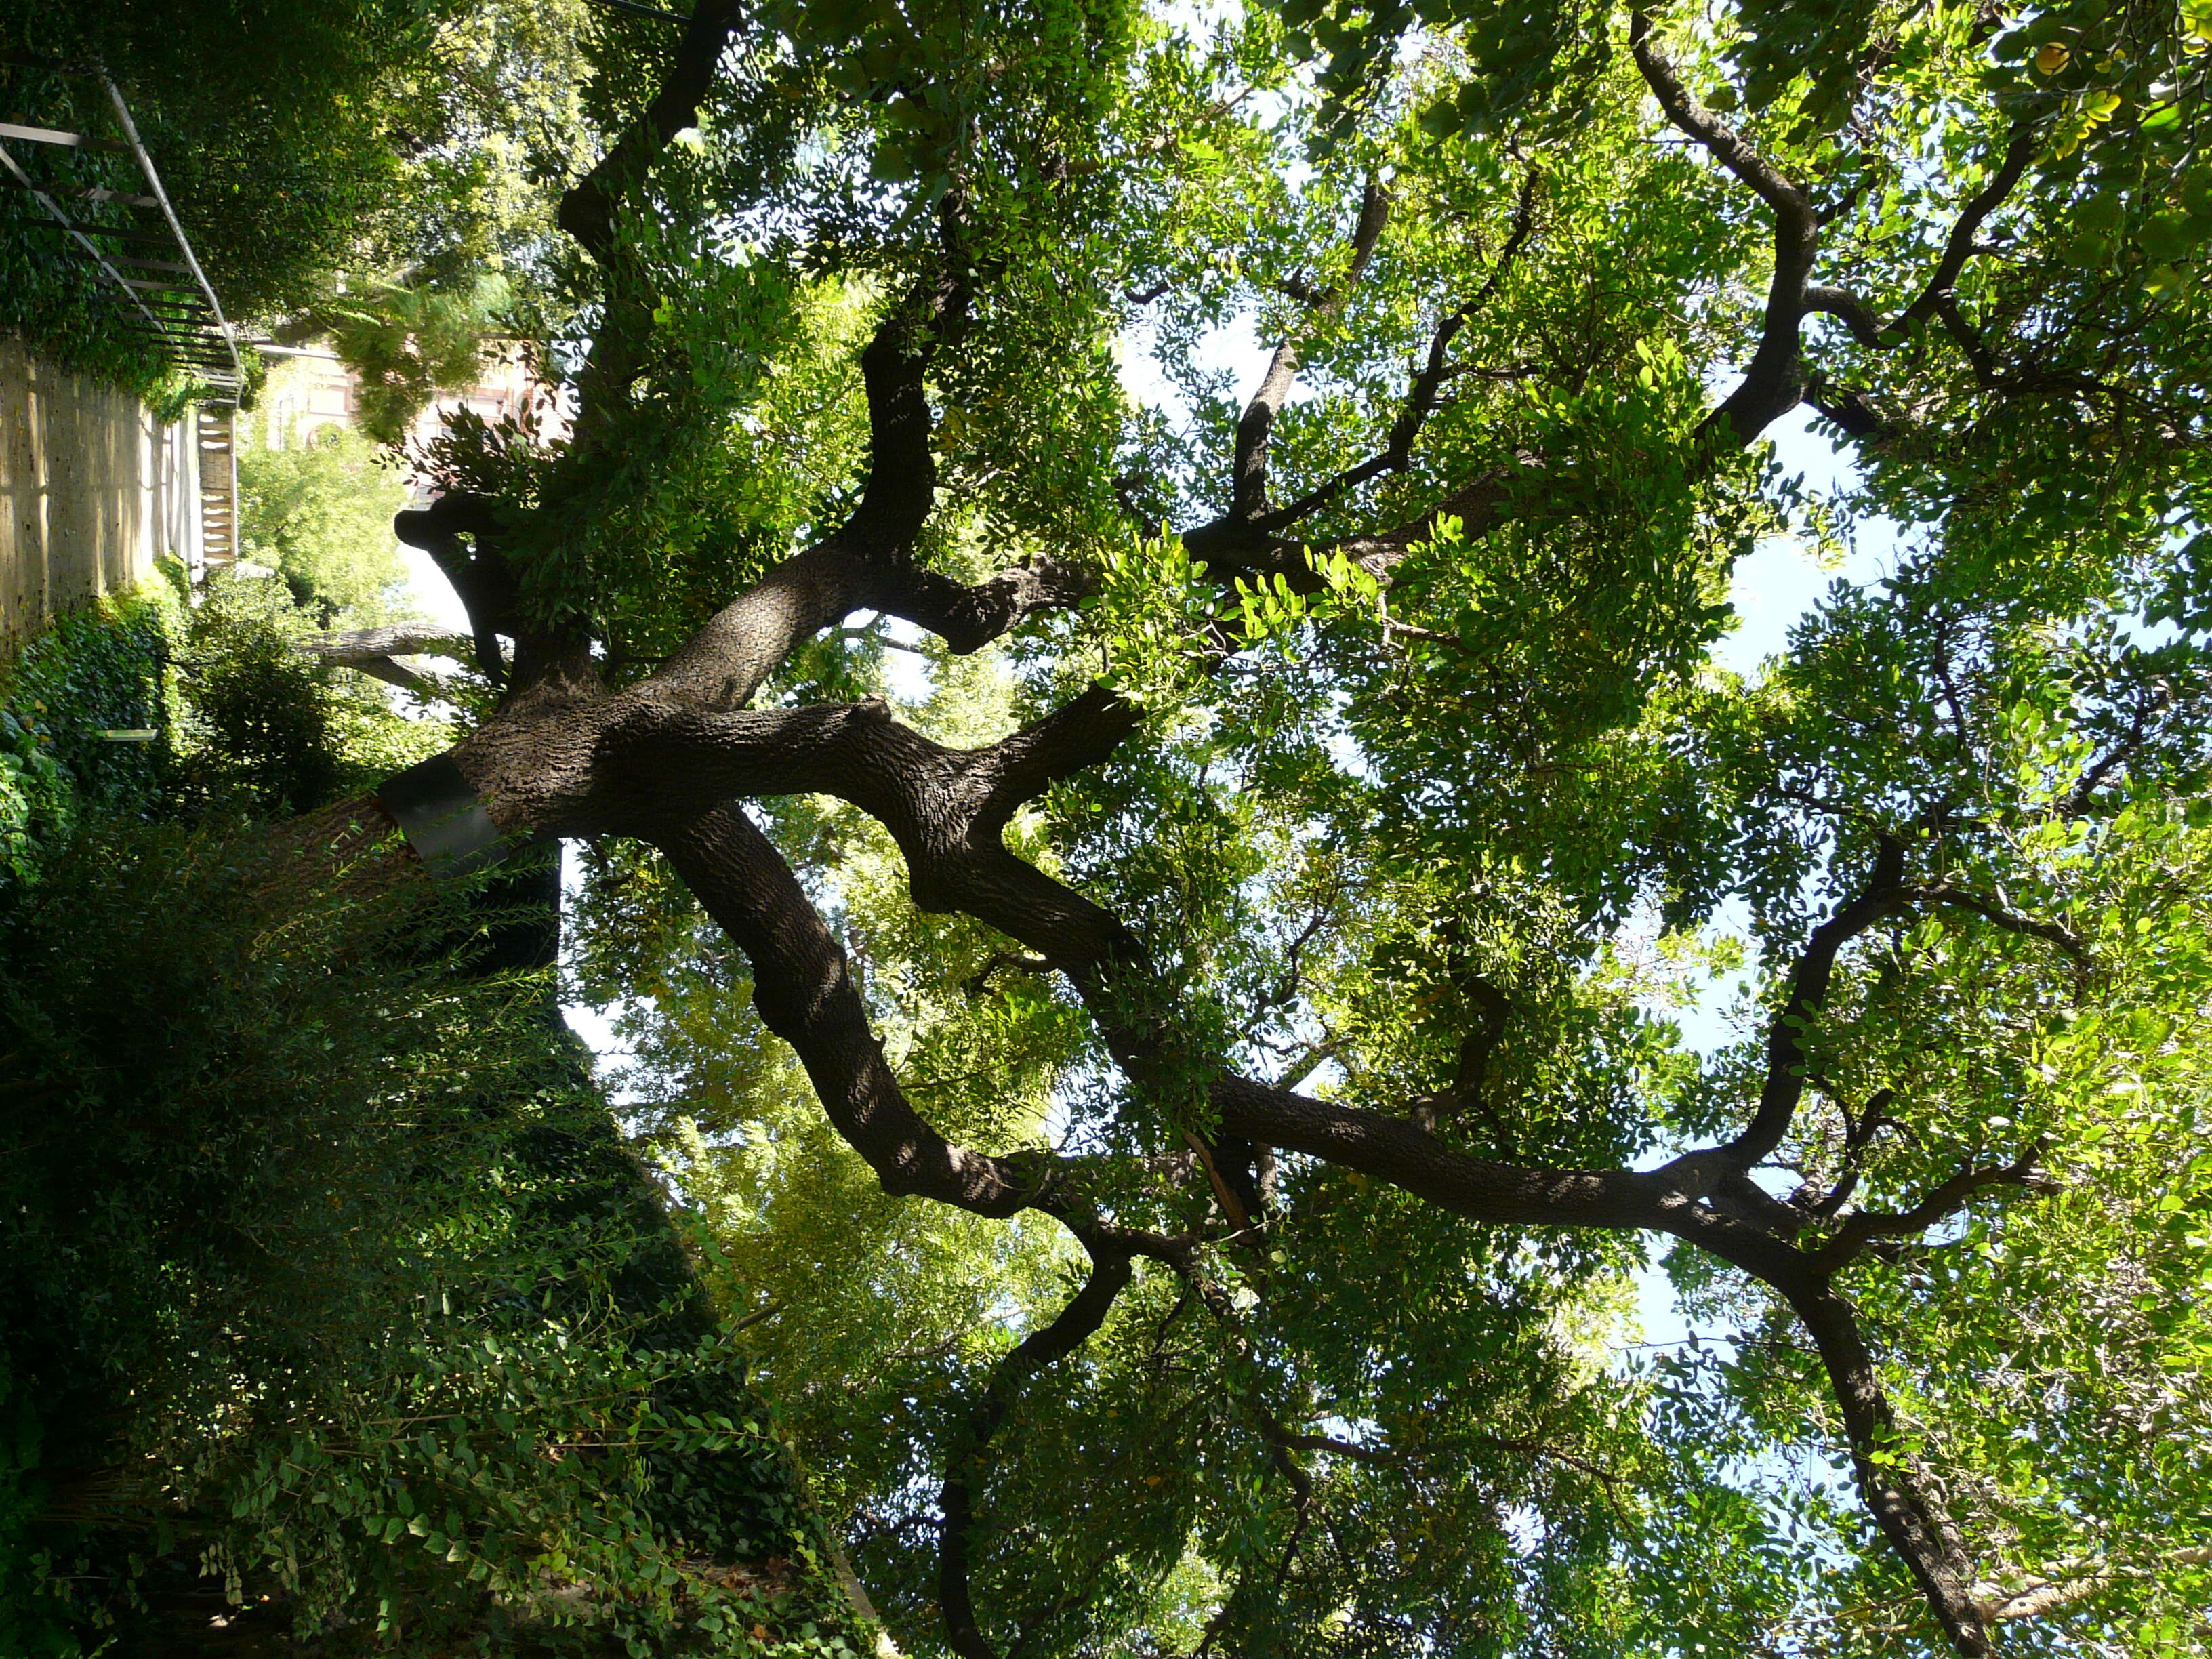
1784 1086
461 533
806 994
1862 1229
868 562
930 799
901 488
969 618
588 211
553 664
969 1460
1847 407
945 808
804 986
670 757
1859 1131
1773 381
979 983
1854 313
1958 248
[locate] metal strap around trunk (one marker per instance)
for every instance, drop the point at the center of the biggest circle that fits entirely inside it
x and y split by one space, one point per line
442 819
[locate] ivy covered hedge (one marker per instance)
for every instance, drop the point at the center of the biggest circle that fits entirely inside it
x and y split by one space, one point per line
92 671
243 725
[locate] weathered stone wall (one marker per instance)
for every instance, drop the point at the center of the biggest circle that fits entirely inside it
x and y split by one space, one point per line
93 489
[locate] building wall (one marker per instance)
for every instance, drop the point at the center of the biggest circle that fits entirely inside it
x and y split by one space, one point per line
93 489
308 389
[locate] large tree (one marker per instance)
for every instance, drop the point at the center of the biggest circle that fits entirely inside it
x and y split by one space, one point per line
1361 727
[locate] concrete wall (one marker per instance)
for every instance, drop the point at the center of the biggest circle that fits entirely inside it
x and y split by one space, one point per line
93 489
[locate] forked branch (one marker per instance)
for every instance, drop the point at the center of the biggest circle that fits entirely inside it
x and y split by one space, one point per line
1421 394
1248 476
1862 1229
1866 327
1785 1085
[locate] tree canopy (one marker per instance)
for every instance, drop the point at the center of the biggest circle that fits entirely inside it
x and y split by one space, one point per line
1154 914
380 172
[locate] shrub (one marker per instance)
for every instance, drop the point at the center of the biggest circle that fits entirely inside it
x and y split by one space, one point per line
330 1278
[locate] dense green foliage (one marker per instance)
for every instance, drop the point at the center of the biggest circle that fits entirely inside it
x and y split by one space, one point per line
327 1278
270 190
335 1307
319 512
1428 800
240 722
1501 806
91 672
369 169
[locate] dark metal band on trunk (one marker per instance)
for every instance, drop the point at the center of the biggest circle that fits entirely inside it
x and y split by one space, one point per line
442 819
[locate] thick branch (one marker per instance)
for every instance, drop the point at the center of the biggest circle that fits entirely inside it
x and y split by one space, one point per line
804 986
461 533
867 563
943 807
806 994
901 484
588 211
591 209
2065 1586
1854 313
372 651
969 618
928 797
1895 1487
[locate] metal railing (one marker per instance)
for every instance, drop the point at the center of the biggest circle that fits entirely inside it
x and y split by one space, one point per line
168 300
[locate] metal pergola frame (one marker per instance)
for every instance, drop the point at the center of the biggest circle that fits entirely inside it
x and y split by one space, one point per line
166 299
